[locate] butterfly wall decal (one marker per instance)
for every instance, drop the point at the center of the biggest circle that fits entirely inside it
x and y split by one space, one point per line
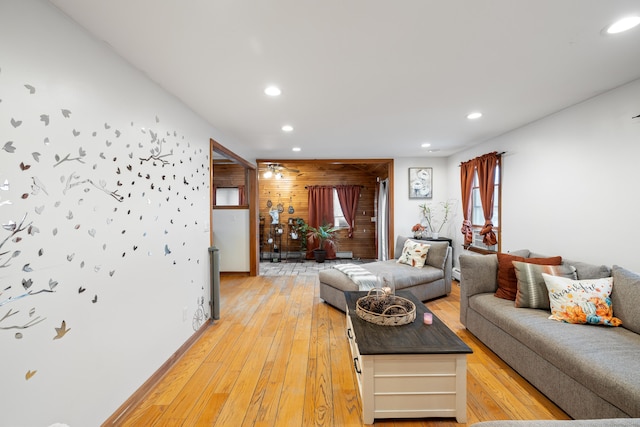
61 331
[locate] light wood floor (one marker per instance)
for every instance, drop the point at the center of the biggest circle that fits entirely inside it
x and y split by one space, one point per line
279 357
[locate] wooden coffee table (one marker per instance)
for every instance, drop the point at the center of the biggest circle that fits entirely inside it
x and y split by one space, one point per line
408 371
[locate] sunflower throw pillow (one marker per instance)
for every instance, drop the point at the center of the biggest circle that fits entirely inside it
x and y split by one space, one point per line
581 301
414 253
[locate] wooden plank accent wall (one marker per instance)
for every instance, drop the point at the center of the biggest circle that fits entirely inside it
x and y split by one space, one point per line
229 175
291 189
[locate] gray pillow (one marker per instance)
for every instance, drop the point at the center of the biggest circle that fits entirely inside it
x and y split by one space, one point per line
625 298
437 254
589 271
532 291
524 253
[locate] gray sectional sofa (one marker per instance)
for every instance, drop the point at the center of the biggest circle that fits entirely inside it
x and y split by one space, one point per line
431 281
609 422
591 372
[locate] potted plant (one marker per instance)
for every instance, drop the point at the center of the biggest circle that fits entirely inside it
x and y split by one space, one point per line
324 235
301 228
430 214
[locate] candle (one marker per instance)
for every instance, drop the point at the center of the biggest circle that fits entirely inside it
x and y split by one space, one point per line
428 318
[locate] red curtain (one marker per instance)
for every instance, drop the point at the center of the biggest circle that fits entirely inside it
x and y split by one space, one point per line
486 167
242 195
320 205
348 196
320 213
467 170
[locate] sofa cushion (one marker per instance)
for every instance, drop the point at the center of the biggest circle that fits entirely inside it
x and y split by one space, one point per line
589 271
405 276
414 253
625 297
583 270
532 292
507 281
437 255
581 301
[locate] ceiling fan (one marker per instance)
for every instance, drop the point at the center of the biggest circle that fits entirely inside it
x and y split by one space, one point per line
275 169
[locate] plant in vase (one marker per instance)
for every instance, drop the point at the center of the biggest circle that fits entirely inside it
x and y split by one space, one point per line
431 214
324 235
417 230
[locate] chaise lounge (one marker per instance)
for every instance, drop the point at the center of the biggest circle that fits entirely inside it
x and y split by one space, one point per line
430 281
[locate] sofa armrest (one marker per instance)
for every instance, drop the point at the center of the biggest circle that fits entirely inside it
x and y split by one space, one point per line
448 270
478 274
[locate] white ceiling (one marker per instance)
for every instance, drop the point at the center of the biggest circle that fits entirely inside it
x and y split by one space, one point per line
369 78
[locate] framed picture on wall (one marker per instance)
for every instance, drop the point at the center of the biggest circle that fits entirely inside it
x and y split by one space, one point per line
420 183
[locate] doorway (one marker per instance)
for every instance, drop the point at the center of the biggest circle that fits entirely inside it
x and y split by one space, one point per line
233 181
283 185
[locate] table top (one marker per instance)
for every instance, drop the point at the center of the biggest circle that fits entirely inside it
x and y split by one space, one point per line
439 239
412 338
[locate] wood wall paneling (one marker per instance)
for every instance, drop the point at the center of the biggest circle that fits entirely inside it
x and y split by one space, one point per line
291 188
228 175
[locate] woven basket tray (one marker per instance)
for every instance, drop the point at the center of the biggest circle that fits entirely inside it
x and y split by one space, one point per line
383 318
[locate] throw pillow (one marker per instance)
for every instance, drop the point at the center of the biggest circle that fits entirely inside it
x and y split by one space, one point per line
507 281
581 301
414 253
625 296
532 292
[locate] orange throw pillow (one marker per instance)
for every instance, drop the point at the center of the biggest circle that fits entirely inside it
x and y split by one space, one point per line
507 281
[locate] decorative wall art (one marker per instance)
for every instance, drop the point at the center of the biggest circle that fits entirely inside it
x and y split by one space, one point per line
104 221
86 197
420 183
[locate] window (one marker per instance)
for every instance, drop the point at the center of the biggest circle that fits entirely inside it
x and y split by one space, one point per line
227 196
477 216
338 216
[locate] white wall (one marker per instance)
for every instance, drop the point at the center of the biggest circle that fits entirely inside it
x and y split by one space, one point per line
406 210
569 181
129 273
232 238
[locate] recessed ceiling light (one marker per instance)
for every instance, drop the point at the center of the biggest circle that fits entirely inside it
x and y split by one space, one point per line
296 149
287 128
425 145
272 91
473 116
623 24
